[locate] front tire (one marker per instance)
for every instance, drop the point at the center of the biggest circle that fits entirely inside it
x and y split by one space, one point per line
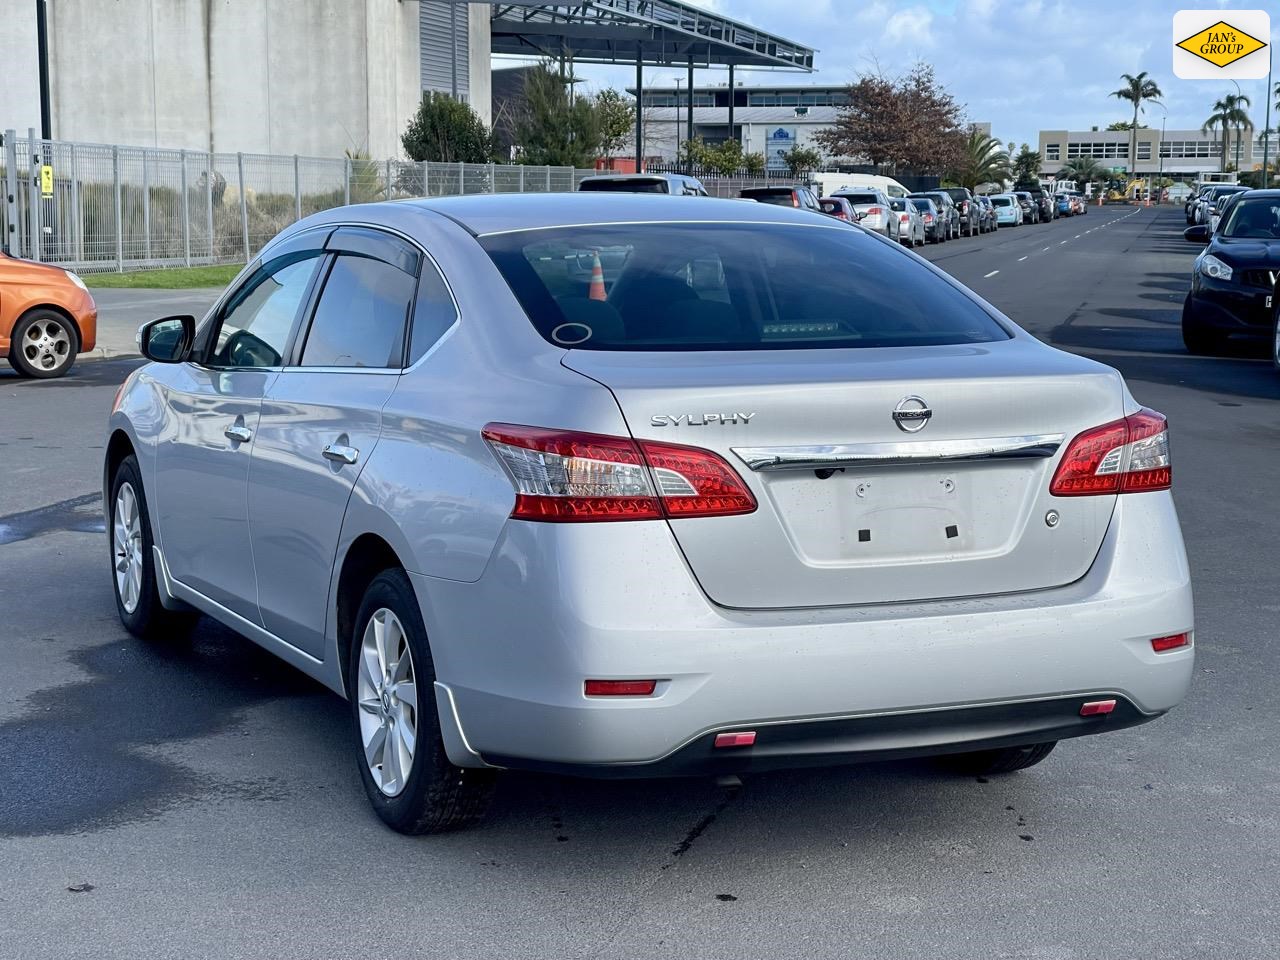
133 561
43 345
1199 338
399 750
1007 760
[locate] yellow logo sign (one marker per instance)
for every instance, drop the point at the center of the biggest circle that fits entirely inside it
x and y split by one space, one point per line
1221 44
46 181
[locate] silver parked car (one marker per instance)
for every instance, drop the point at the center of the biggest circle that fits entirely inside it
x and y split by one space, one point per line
911 229
875 208
645 486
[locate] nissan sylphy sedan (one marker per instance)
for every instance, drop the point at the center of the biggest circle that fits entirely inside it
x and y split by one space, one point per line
639 486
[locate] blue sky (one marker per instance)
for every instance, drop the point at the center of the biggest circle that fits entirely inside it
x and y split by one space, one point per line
1038 65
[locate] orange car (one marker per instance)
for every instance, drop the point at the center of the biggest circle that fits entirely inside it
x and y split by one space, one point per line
46 317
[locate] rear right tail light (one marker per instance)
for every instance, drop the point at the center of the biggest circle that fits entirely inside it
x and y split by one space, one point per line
1125 456
874 211
570 477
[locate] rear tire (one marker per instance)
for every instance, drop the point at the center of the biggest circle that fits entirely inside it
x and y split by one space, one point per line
433 796
133 561
1007 760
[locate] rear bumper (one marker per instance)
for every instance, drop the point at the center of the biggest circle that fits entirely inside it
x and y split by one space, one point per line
562 603
814 743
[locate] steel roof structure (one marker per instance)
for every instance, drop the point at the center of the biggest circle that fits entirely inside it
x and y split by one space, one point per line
655 32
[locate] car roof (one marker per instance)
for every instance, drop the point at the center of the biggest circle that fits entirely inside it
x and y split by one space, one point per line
483 214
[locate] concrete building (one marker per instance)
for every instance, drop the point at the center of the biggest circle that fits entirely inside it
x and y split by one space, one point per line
766 119
1181 154
313 77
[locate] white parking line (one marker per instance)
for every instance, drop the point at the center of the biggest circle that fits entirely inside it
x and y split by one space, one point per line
991 274
1076 237
1061 242
1046 248
1020 259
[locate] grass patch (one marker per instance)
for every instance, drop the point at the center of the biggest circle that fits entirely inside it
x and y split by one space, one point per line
177 278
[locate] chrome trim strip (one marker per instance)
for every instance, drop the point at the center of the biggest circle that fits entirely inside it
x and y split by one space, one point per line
820 456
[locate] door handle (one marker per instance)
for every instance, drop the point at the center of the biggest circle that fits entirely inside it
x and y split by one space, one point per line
339 453
238 433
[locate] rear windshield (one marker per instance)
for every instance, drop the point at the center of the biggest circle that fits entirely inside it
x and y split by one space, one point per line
860 197
731 286
922 202
624 186
779 198
1002 201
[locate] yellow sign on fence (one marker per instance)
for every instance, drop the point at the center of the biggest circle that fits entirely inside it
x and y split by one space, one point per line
46 181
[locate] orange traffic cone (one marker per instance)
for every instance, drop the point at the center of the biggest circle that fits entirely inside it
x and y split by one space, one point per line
597 278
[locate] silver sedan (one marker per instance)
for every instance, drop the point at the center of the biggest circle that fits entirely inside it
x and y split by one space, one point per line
911 229
629 486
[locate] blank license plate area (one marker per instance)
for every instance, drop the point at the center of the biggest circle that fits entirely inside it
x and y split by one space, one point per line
864 517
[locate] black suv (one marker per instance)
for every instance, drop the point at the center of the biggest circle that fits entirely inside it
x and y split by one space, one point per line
970 216
1043 202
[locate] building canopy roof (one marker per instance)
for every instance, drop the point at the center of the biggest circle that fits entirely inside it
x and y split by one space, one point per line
658 32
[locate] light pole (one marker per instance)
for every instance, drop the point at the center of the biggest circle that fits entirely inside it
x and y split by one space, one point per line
1239 94
42 52
679 80
1266 131
1160 153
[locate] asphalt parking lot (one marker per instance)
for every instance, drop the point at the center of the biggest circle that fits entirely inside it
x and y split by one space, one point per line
209 797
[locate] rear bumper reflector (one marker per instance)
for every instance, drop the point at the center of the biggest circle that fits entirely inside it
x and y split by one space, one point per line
1097 708
741 739
620 688
1161 644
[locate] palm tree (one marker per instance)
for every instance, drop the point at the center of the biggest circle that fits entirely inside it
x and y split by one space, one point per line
1083 171
1228 113
983 160
1136 90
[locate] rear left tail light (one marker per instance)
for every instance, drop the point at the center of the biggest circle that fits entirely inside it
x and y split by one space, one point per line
1125 456
565 476
874 211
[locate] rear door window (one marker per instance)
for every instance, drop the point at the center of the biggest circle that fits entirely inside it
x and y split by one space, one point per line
731 287
361 317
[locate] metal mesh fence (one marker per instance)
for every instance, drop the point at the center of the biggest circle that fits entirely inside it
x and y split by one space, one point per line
119 208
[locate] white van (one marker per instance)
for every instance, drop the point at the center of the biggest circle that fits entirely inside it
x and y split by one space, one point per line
826 184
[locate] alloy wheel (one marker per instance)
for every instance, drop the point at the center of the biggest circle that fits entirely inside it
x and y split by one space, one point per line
126 541
387 695
46 344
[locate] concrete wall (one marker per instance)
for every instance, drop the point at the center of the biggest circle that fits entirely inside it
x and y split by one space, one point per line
314 77
480 74
20 87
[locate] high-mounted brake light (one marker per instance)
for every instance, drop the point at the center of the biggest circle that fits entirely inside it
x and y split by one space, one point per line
1124 456
565 476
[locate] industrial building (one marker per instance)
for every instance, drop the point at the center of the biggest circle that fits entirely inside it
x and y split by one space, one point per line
1179 154
259 76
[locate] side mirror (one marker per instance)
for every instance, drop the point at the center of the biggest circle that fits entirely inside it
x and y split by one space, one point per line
168 339
1197 234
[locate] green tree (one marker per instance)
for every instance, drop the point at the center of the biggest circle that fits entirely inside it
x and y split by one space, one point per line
617 117
802 160
555 130
1026 165
1125 125
1228 113
445 130
754 164
1083 171
725 159
984 160
1137 90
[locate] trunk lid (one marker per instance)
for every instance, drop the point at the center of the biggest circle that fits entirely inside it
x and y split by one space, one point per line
834 529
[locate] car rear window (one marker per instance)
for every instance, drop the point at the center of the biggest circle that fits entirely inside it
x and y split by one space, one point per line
656 185
1002 201
779 198
860 197
732 286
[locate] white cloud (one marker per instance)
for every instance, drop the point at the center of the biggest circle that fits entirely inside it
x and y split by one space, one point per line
911 25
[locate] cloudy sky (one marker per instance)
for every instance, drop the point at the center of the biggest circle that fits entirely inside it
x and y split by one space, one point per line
1022 65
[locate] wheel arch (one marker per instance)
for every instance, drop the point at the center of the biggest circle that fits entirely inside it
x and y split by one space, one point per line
60 311
119 446
368 555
